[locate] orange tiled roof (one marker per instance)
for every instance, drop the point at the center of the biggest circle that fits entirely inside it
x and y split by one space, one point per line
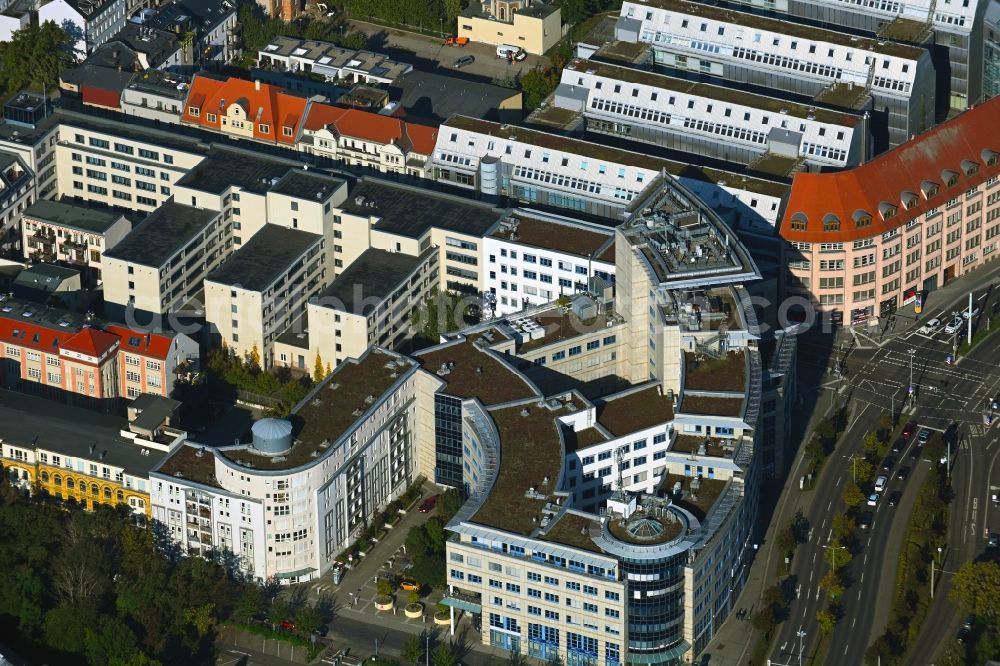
26 334
149 344
90 341
265 105
373 127
964 149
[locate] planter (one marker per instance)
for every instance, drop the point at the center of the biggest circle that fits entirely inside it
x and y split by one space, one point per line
413 611
442 617
384 603
387 526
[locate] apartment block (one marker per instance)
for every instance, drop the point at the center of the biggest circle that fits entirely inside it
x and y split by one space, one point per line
710 120
835 68
371 303
533 258
863 242
991 51
328 60
74 235
159 267
534 167
262 287
211 26
533 25
30 132
381 143
156 95
17 192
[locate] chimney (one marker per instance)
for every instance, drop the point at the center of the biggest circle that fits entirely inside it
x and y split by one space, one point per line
256 85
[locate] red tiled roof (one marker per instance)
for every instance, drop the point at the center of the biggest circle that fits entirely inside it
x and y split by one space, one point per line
374 127
967 141
32 336
264 104
156 346
90 341
109 99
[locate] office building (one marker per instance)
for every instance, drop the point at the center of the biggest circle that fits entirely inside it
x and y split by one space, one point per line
991 51
533 25
862 242
17 192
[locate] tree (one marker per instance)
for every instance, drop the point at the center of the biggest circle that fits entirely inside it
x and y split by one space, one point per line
307 619
413 597
843 526
449 503
250 603
253 359
832 584
975 588
873 445
137 659
443 655
826 621
65 626
413 650
318 373
852 496
839 555
384 587
113 641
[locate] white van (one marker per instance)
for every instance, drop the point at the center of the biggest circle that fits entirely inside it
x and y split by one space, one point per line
880 484
511 52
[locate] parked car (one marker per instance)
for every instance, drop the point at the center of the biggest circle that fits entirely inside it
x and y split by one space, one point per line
930 326
898 445
895 497
975 312
409 585
888 463
924 435
909 429
994 541
463 61
915 453
953 325
288 624
968 622
865 520
903 473
880 482
428 505
963 634
873 499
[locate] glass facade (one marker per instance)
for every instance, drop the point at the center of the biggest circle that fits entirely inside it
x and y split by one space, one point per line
655 603
448 441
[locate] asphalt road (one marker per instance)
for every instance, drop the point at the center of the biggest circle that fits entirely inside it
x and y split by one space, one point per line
876 383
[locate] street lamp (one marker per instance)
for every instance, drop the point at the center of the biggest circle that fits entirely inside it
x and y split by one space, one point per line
912 352
801 634
833 554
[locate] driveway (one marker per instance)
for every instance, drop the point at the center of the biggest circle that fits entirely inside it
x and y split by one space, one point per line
430 53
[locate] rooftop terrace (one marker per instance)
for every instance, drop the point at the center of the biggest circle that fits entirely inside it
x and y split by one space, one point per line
470 372
704 373
692 444
843 95
559 325
530 453
711 405
330 410
630 412
905 30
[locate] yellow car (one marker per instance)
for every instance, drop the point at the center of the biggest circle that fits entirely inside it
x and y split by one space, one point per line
410 585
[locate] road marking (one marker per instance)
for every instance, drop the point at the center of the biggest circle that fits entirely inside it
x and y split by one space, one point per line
814 558
811 572
854 622
866 558
845 649
862 576
830 505
859 595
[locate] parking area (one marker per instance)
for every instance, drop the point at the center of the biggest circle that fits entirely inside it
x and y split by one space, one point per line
949 327
431 53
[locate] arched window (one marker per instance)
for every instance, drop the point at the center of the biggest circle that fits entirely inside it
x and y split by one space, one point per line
831 222
799 222
949 177
70 483
57 480
120 496
107 493
45 477
94 490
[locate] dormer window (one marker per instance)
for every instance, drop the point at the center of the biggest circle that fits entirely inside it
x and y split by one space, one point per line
287 131
909 199
194 111
929 188
211 117
862 218
831 222
969 167
989 156
886 210
263 129
949 177
798 222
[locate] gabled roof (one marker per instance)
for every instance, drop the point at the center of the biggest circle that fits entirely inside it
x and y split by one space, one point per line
32 336
91 342
153 345
897 186
373 127
266 106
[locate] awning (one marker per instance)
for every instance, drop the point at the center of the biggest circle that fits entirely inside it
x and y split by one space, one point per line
295 574
462 604
659 657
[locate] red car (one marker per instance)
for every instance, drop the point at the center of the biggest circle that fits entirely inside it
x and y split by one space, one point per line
909 429
427 505
288 624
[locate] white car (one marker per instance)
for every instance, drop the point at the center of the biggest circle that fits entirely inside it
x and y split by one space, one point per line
953 326
873 499
975 312
880 484
930 326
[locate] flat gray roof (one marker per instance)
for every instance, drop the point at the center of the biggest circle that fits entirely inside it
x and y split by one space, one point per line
71 431
223 168
410 211
165 231
303 184
75 216
269 253
373 275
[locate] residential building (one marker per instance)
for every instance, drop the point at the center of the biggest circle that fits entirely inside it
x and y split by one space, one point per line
88 458
17 192
244 109
30 133
431 98
540 168
156 95
212 24
371 303
833 67
160 265
533 258
330 61
72 234
862 242
95 22
361 138
533 25
69 357
263 287
766 133
991 51
352 453
955 28
48 284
